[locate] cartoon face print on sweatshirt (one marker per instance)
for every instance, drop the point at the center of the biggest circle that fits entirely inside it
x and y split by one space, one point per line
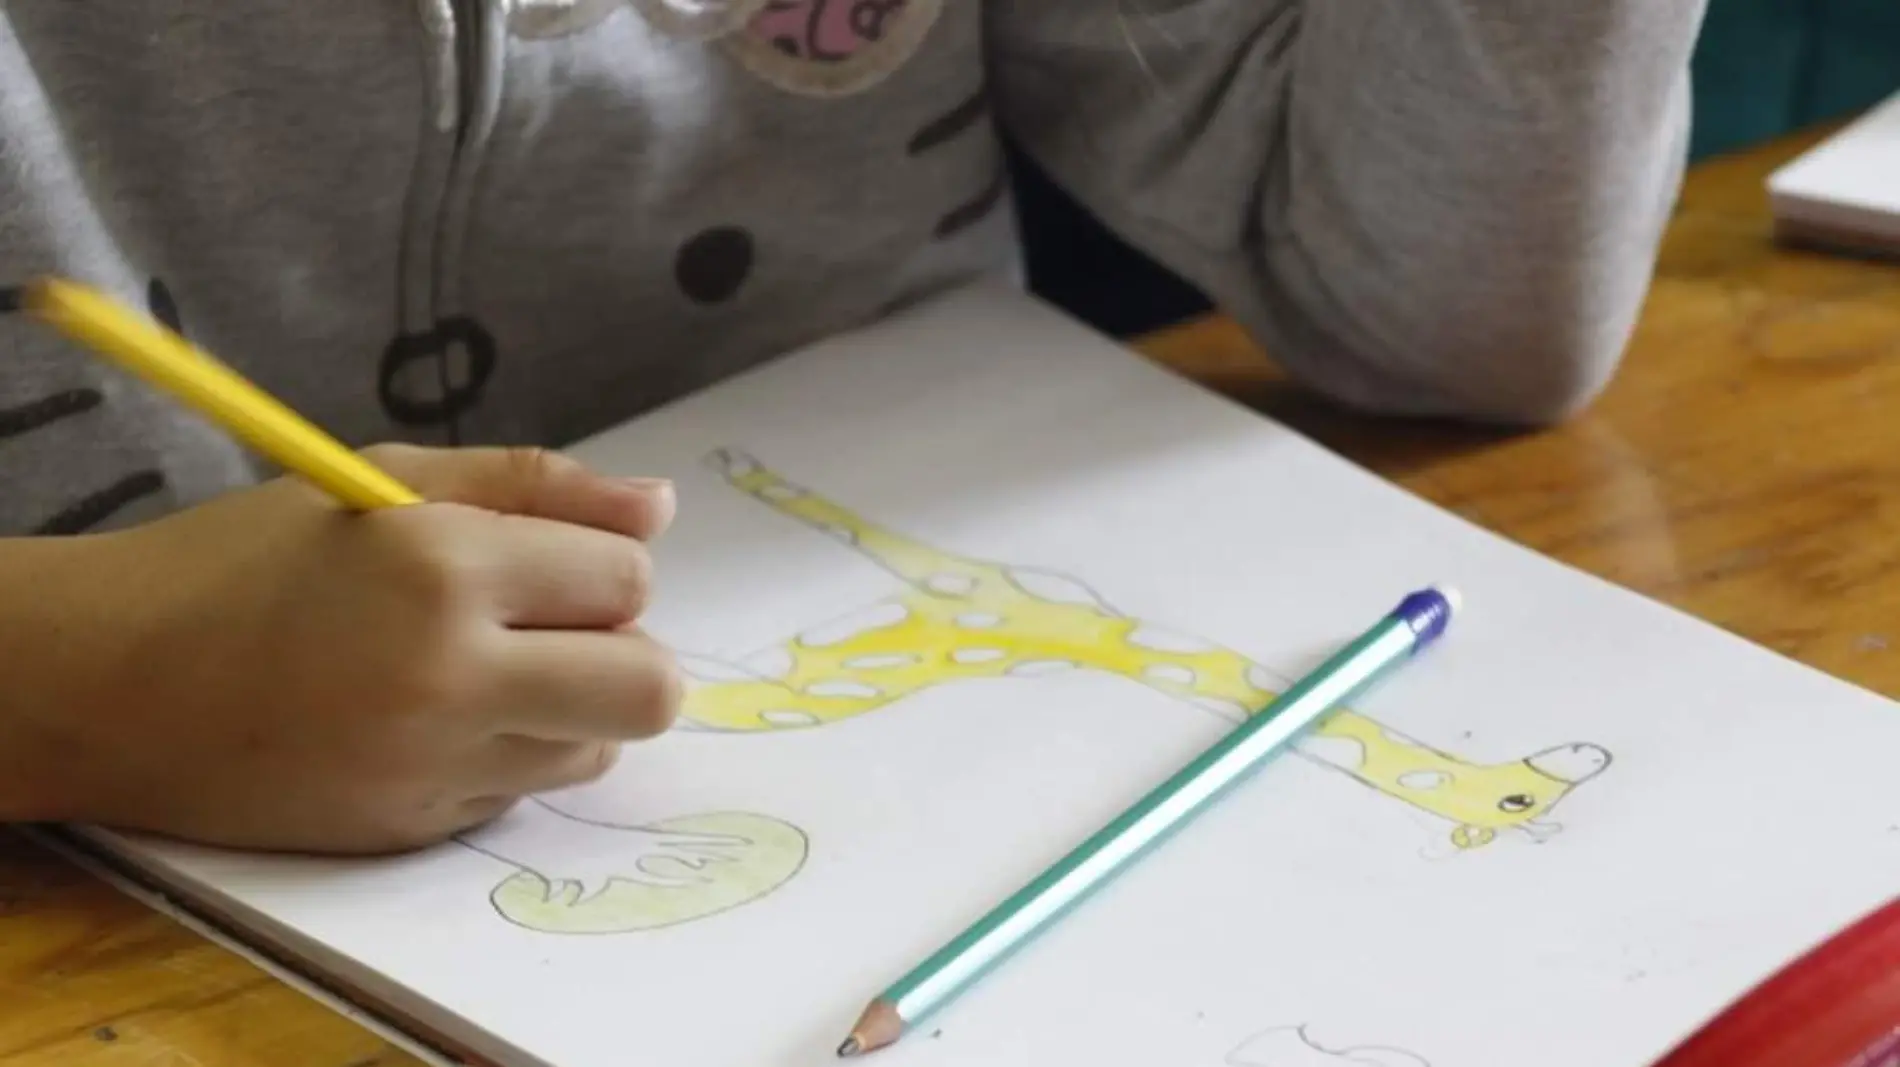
823 48
822 61
810 47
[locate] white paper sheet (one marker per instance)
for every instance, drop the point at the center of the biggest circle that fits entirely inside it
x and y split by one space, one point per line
1747 808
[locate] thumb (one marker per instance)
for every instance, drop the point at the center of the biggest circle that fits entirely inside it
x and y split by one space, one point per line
535 482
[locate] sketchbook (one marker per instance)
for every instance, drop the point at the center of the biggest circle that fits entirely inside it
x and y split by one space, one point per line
954 589
1844 194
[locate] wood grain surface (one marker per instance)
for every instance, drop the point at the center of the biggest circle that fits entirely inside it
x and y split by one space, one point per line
1743 467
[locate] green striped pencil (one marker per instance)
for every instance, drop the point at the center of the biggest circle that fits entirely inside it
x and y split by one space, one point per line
1418 621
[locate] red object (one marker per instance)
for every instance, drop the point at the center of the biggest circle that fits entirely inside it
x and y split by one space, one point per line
1837 1006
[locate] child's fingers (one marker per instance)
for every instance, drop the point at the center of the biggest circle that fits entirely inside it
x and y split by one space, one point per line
586 686
533 481
472 814
524 766
539 574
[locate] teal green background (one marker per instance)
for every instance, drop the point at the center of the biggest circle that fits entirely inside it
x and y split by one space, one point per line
1761 68
1765 67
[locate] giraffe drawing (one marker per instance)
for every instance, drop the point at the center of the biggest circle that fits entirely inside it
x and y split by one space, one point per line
569 875
956 618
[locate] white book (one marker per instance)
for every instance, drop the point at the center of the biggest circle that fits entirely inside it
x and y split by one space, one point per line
960 586
1844 193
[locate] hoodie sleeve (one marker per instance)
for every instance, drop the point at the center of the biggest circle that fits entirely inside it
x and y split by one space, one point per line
1438 207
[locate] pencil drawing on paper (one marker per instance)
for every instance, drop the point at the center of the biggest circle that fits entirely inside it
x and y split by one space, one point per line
957 619
571 875
1291 1046
954 619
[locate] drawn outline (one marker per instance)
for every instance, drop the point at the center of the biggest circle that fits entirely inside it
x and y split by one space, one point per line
662 873
1291 1046
960 618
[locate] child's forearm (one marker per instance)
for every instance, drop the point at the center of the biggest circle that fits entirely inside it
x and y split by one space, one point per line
1480 192
1439 206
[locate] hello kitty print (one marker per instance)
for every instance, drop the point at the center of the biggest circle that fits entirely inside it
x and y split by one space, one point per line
809 47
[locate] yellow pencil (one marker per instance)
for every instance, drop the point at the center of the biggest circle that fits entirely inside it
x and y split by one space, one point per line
169 362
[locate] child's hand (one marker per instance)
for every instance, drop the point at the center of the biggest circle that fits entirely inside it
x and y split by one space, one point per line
267 670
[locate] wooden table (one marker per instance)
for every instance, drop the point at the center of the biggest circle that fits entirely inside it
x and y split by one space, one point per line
1745 467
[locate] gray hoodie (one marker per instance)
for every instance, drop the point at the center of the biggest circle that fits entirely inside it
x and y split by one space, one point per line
478 221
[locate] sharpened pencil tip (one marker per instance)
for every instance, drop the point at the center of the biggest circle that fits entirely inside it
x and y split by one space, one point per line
880 1025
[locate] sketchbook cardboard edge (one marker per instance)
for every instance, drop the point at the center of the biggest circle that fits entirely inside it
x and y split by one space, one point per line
91 854
1837 238
1812 219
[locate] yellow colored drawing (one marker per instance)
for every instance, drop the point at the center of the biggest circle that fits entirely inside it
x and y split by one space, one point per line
956 619
578 876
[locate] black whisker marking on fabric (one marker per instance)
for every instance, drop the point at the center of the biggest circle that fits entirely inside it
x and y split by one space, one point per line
35 414
973 211
102 505
951 123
